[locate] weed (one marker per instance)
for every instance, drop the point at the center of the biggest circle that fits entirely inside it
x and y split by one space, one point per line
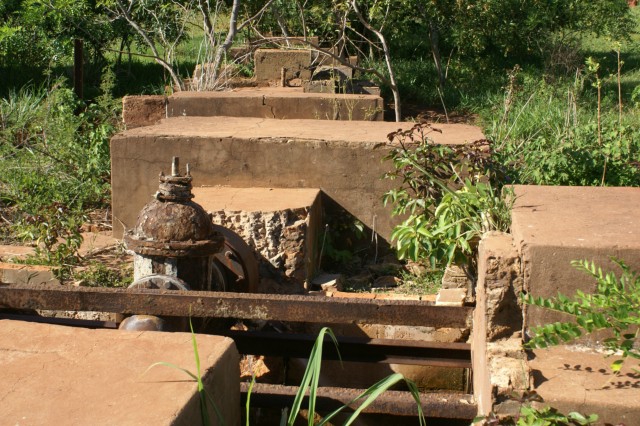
447 194
56 232
206 401
96 274
310 382
428 282
533 416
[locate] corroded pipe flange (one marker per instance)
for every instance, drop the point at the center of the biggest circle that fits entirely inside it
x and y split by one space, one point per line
172 225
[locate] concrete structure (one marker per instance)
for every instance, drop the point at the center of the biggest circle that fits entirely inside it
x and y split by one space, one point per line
280 225
281 103
268 64
54 375
499 363
145 110
551 227
260 102
342 158
554 225
574 378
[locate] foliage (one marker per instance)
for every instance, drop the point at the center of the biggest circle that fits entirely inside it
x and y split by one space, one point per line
56 232
42 33
51 155
98 275
446 192
310 382
550 134
428 282
615 306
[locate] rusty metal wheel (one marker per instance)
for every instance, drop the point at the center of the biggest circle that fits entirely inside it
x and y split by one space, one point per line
236 263
160 282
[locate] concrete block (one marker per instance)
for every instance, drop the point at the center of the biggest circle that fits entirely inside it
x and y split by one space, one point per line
63 375
138 111
576 378
340 73
280 225
280 103
328 282
451 296
495 341
553 225
341 157
268 64
319 86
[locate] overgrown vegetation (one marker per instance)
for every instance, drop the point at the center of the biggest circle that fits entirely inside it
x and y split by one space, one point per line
451 195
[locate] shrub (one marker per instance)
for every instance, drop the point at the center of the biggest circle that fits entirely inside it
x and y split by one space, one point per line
448 195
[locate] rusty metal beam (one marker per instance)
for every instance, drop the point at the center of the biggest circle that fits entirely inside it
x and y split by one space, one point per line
398 403
387 351
233 305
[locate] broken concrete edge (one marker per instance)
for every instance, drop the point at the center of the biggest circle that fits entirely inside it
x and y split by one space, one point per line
499 361
143 110
55 375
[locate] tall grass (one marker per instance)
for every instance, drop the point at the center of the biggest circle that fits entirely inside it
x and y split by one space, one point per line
311 379
562 134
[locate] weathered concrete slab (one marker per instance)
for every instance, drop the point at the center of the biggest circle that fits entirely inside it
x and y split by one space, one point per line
343 158
554 225
268 64
62 375
576 379
280 225
140 111
269 102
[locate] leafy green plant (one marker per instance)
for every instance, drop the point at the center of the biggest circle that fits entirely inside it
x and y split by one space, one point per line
565 133
447 193
56 232
615 306
311 379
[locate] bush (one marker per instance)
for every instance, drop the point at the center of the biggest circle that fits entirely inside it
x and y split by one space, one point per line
55 149
549 135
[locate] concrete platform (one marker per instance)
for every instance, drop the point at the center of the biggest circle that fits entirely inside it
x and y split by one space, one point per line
54 375
554 225
343 158
577 379
282 227
281 103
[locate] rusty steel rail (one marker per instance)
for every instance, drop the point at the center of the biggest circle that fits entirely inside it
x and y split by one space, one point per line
291 308
398 403
387 351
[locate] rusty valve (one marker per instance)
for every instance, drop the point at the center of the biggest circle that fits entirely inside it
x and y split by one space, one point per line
174 236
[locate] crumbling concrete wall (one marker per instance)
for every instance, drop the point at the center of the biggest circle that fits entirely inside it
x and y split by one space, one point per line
499 362
342 158
279 239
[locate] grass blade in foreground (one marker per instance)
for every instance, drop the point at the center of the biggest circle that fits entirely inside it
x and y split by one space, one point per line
205 398
312 376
